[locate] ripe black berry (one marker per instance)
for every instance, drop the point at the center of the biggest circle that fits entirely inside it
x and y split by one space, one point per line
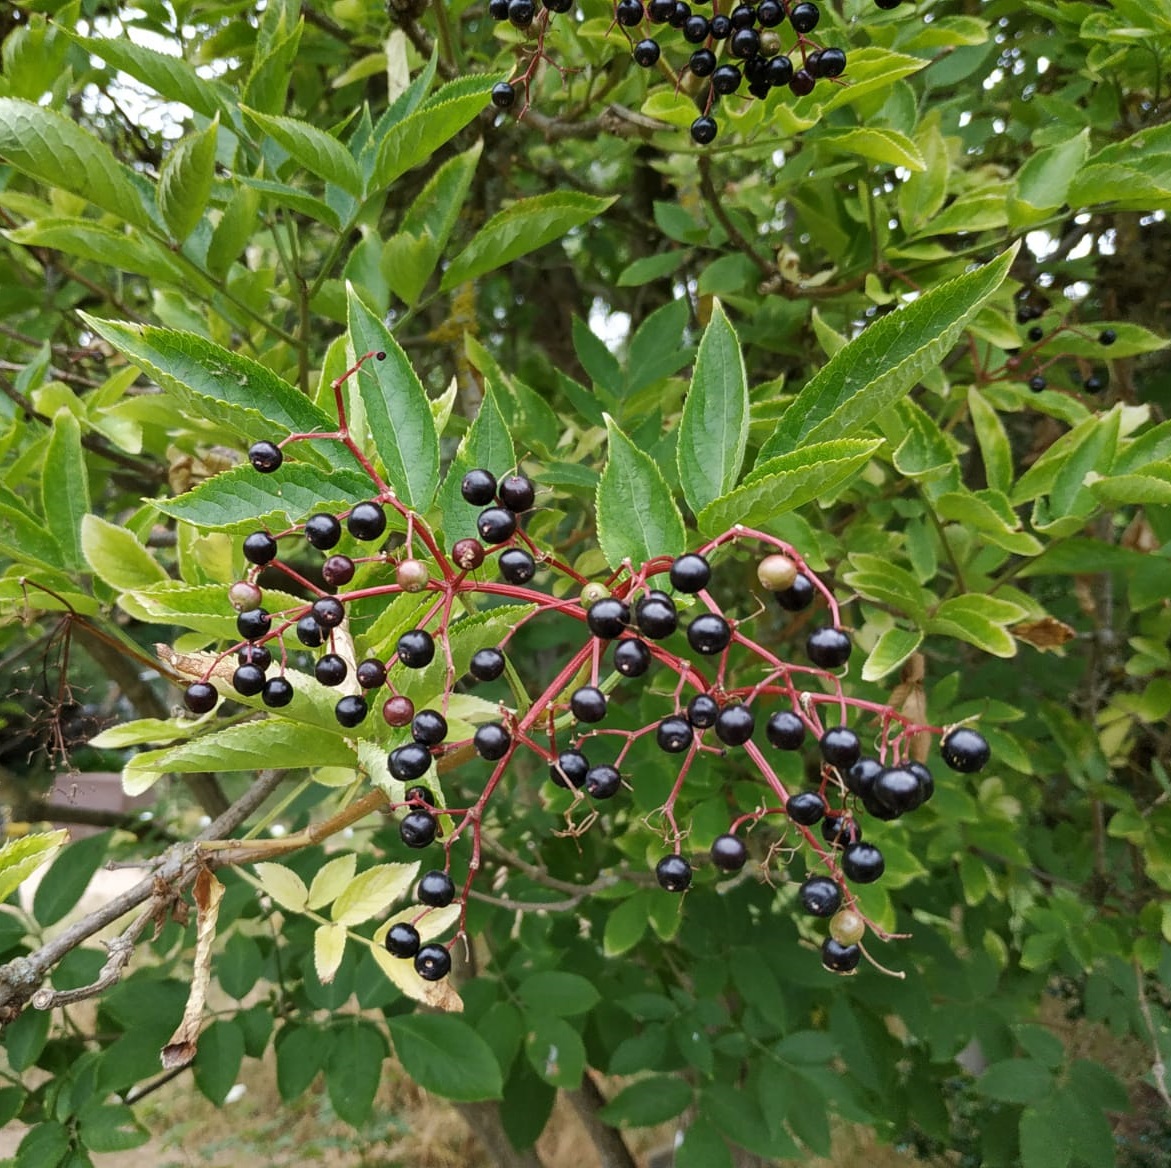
785 730
661 11
418 828
770 13
337 571
366 521
608 618
419 795
1036 333
433 963
838 958
820 896
558 5
416 649
409 762
656 617
704 129
628 13
709 634
804 17
257 655
673 874
309 632
721 27
479 486
743 16
840 830
805 808
702 711
631 657
1105 337
521 12
726 79
734 725
254 624
603 782
517 566
696 29
898 789
328 612
517 492
496 525
887 5
370 673
503 96
492 741
277 692
402 939
323 531
801 83
833 63
674 735
729 853
965 750
248 680
351 710
1038 383
1094 384
798 596
744 43
429 727
778 73
486 664
330 669
691 573
436 889
680 15
702 63
265 456
570 769
862 863
200 697
498 9
926 780
588 704
260 548
862 776
646 52
828 648
840 747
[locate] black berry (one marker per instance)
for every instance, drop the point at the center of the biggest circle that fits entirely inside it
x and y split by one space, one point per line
496 525
702 63
628 13
257 655
433 963
674 735
785 730
806 808
656 617
337 571
309 632
503 96
418 828
735 724
492 741
429 727
778 73
690 573
673 874
840 830
323 531
248 680
603 782
588 704
351 710
265 456
840 747
696 29
260 548
862 776
729 853
798 596
925 777
770 13
330 669
744 43
402 939
702 711
409 762
277 692
436 889
726 79
709 634
898 789
479 486
253 625
517 492
1037 383
828 648
660 11
721 27
801 83
1036 333
965 750
366 521
1105 337
862 863
833 63
200 697
521 12
838 958
631 657
646 52
486 664
608 618
416 649
398 711
517 566
370 673
328 612
570 769
704 129
820 896
804 17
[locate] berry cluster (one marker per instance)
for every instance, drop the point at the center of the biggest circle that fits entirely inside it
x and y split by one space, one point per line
661 616
743 47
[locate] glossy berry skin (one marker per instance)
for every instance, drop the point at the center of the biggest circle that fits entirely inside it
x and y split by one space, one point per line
776 572
496 525
785 730
257 655
744 43
366 521
421 795
436 889
965 750
351 711
1036 334
804 17
898 790
690 573
337 571
799 596
801 83
1093 384
323 531
862 776
833 63
402 939
517 566
925 777
828 648
416 649
656 617
200 697
492 741
862 863
468 554
330 669
310 633
631 657
411 575
660 11
429 727
409 762
486 664
646 53
1038 383
702 711
674 735
887 5
370 673
709 634
680 15
277 692
1107 337
260 548
498 9
820 896
588 704
479 486
254 624
503 97
398 711
248 680
704 129
244 597
673 874
696 29
521 12
726 79
417 828
735 724
729 852
840 747
570 769
603 782
778 73
840 830
328 612
608 618
558 5
805 808
838 958
721 27
516 492
703 63
628 13
770 13
743 16
433 962
265 457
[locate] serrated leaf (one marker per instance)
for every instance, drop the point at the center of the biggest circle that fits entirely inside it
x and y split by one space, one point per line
65 486
517 230
993 441
397 410
890 147
20 858
104 245
891 649
199 607
637 517
329 947
1043 182
885 362
116 556
283 885
318 152
787 482
979 620
713 429
185 180
144 731
372 891
330 880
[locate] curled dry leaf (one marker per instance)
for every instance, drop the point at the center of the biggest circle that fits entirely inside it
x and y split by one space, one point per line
910 699
1046 633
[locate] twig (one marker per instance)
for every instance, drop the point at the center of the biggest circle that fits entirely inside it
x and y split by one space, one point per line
1158 1067
611 1148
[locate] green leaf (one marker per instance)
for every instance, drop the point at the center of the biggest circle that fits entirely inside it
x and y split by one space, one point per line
56 151
318 152
25 1038
648 1102
886 146
561 994
891 649
44 1146
993 441
67 879
110 1127
991 514
397 410
104 245
625 925
517 230
555 1051
713 430
979 620
787 482
354 1070
280 194
239 966
703 1147
301 1052
218 1058
1042 184
65 486
885 362
637 517
1015 1081
185 180
443 1054
116 556
1045 1141
1131 340
649 268
234 230
21 857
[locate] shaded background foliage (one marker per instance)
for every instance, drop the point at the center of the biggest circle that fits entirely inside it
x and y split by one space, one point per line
1034 892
